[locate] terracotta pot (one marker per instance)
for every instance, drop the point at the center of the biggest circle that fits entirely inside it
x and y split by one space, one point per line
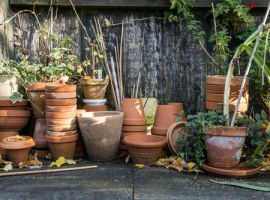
134 128
61 115
95 108
123 147
133 112
8 85
124 134
159 131
144 149
80 111
64 88
5 135
179 107
13 108
62 146
61 102
166 146
219 89
243 107
39 133
61 133
53 121
41 152
8 105
101 133
36 93
79 154
60 128
17 151
150 107
14 120
220 97
225 145
94 88
123 153
61 108
60 95
221 80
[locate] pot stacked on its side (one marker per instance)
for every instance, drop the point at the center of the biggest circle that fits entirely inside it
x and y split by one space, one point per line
134 122
61 122
215 86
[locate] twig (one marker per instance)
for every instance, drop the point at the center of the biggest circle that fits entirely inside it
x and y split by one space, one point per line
120 62
138 83
115 84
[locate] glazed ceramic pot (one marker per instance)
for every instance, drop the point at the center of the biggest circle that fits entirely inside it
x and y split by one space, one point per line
36 93
243 107
61 108
220 98
144 149
17 150
94 102
8 85
39 133
134 128
61 102
149 109
60 95
62 146
219 89
8 105
61 133
5 135
224 145
95 108
101 132
60 128
94 88
133 112
61 115
53 121
179 107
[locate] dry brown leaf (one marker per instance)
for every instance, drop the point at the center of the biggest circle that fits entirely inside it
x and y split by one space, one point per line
23 164
127 159
70 162
49 156
30 157
167 165
34 162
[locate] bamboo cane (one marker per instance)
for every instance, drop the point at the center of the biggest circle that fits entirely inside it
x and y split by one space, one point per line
138 83
120 62
115 84
118 73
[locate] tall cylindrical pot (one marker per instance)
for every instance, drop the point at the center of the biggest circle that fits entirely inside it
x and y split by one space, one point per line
8 85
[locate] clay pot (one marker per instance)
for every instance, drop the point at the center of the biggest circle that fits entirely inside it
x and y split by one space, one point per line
243 107
144 149
14 120
179 107
39 133
17 151
8 105
94 102
8 85
221 80
53 121
61 133
219 89
95 108
62 146
5 135
124 134
61 102
149 109
94 88
79 153
134 128
36 93
224 145
61 108
60 128
133 112
123 153
220 98
41 152
123 147
64 88
101 133
61 115
166 146
60 95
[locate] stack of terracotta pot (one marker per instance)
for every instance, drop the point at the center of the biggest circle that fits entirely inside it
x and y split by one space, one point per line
134 122
215 86
61 121
166 115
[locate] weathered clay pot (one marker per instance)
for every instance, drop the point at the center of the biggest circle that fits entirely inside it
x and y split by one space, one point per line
95 108
224 145
220 97
8 105
101 132
94 88
8 85
149 109
17 151
60 128
61 115
62 146
36 93
221 80
123 153
39 133
134 128
5 135
60 95
53 121
243 107
179 107
124 134
61 108
57 89
144 149
219 89
61 102
133 112
61 133
123 147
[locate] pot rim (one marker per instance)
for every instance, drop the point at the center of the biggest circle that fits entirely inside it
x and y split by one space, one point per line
231 132
83 115
129 142
64 139
22 144
17 113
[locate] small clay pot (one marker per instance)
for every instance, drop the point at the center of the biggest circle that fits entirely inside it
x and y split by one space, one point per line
220 98
61 134
61 108
243 107
179 107
134 128
124 134
61 102
39 134
60 95
5 135
219 89
8 105
166 146
159 131
62 146
94 88
17 151
95 108
144 149
221 80
53 121
61 115
61 128
64 88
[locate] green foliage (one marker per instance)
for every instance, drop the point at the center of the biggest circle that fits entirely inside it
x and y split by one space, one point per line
16 96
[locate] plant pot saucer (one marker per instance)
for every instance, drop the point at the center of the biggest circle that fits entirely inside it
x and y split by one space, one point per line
94 102
232 172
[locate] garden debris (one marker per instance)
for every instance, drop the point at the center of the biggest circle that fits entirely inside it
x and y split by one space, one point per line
17 138
70 162
32 163
3 162
49 156
60 161
7 167
139 165
266 164
251 187
127 159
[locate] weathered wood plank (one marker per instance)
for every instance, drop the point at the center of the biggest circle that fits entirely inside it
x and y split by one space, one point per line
128 3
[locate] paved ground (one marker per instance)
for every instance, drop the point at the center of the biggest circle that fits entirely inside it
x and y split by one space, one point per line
117 180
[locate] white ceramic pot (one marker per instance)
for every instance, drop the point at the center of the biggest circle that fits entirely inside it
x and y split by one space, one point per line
8 85
94 102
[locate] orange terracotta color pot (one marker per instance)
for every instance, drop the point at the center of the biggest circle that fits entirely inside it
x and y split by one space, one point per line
36 93
133 112
80 111
8 105
61 108
224 145
220 97
134 128
60 95
61 128
61 115
243 107
221 80
124 134
61 102
144 149
62 146
39 133
53 121
61 133
64 88
79 154
41 152
219 89
166 146
122 141
13 108
123 147
5 135
95 108
94 88
80 148
179 107
123 153
14 120
159 131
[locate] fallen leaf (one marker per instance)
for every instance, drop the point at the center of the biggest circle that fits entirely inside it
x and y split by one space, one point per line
70 162
30 157
60 161
7 167
16 138
139 165
178 164
192 166
167 165
107 22
163 154
22 165
49 156
127 159
34 163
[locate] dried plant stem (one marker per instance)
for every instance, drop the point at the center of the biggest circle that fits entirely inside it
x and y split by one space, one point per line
138 83
115 84
120 63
